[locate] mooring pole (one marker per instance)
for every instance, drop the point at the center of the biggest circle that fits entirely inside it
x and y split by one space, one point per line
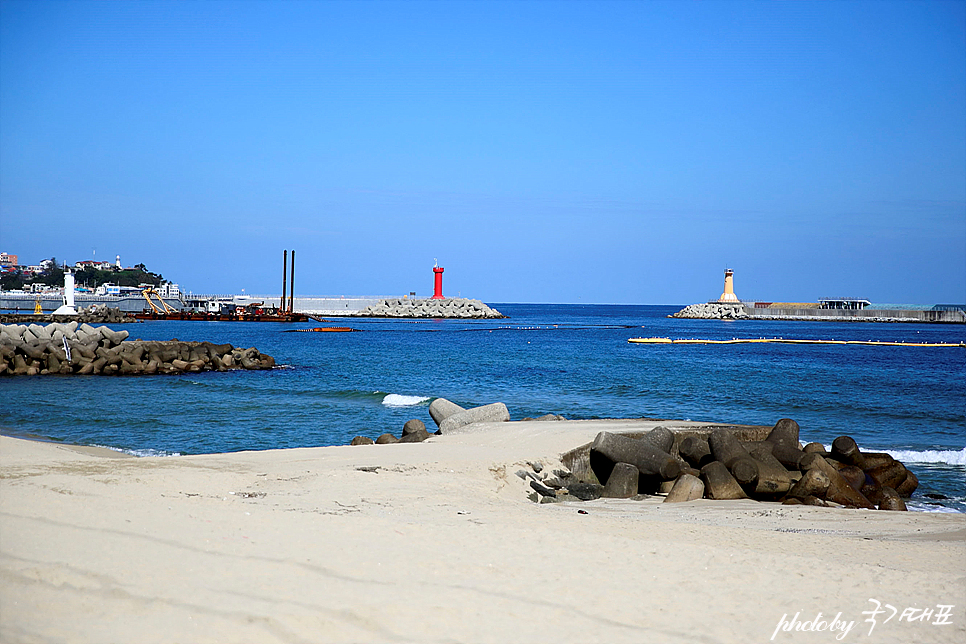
291 301
281 300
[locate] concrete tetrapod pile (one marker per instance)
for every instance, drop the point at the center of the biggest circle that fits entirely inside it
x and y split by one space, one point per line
94 314
451 307
69 348
712 311
718 465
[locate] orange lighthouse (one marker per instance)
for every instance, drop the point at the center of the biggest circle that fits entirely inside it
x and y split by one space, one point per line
729 288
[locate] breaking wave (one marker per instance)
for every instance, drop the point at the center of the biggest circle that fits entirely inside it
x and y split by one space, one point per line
944 456
398 400
141 453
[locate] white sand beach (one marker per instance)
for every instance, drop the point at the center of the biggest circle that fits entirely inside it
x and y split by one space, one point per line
437 542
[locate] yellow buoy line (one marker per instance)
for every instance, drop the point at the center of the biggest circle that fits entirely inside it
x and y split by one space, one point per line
873 343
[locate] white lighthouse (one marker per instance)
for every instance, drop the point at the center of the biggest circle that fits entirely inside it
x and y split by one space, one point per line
67 308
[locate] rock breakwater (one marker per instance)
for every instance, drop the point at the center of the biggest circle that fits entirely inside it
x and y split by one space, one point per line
732 463
94 314
741 311
711 462
452 307
712 311
72 348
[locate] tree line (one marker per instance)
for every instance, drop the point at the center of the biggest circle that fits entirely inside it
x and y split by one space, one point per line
53 275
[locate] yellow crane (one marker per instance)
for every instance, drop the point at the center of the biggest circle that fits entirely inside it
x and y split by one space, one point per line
147 293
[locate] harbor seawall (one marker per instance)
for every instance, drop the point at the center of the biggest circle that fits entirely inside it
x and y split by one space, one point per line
49 302
864 315
740 311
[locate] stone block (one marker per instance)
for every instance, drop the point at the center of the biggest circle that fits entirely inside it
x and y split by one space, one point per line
441 409
493 413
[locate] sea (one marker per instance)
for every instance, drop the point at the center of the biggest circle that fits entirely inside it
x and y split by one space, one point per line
574 360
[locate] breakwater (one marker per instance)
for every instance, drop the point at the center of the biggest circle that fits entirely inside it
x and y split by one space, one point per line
736 462
713 462
451 307
724 311
868 343
68 349
25 302
94 314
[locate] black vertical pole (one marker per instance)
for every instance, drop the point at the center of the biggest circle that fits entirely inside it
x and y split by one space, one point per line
281 301
291 302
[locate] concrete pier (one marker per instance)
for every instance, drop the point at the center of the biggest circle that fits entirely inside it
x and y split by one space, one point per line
748 311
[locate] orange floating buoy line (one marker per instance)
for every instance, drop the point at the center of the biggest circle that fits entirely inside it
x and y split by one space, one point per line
323 329
872 343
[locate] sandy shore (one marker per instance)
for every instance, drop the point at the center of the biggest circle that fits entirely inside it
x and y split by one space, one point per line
437 542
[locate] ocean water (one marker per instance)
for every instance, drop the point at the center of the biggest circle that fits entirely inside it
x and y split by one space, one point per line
572 360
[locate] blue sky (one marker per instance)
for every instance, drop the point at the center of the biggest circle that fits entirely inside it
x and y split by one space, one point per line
612 152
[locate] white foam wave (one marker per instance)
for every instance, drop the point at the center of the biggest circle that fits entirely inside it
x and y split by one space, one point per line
939 509
141 453
940 456
398 400
945 456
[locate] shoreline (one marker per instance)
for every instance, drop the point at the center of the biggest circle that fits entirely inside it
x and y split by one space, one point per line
434 541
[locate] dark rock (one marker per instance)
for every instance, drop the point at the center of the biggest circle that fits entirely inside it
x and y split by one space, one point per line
585 491
416 437
889 475
719 483
814 448
845 450
908 486
622 482
839 491
685 488
660 437
725 447
609 449
362 440
386 439
785 433
813 483
891 500
541 489
695 451
853 476
413 426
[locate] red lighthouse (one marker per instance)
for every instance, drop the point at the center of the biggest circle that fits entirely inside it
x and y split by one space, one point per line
438 285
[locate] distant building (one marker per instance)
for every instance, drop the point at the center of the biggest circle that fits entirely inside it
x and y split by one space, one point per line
6 259
90 263
169 290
